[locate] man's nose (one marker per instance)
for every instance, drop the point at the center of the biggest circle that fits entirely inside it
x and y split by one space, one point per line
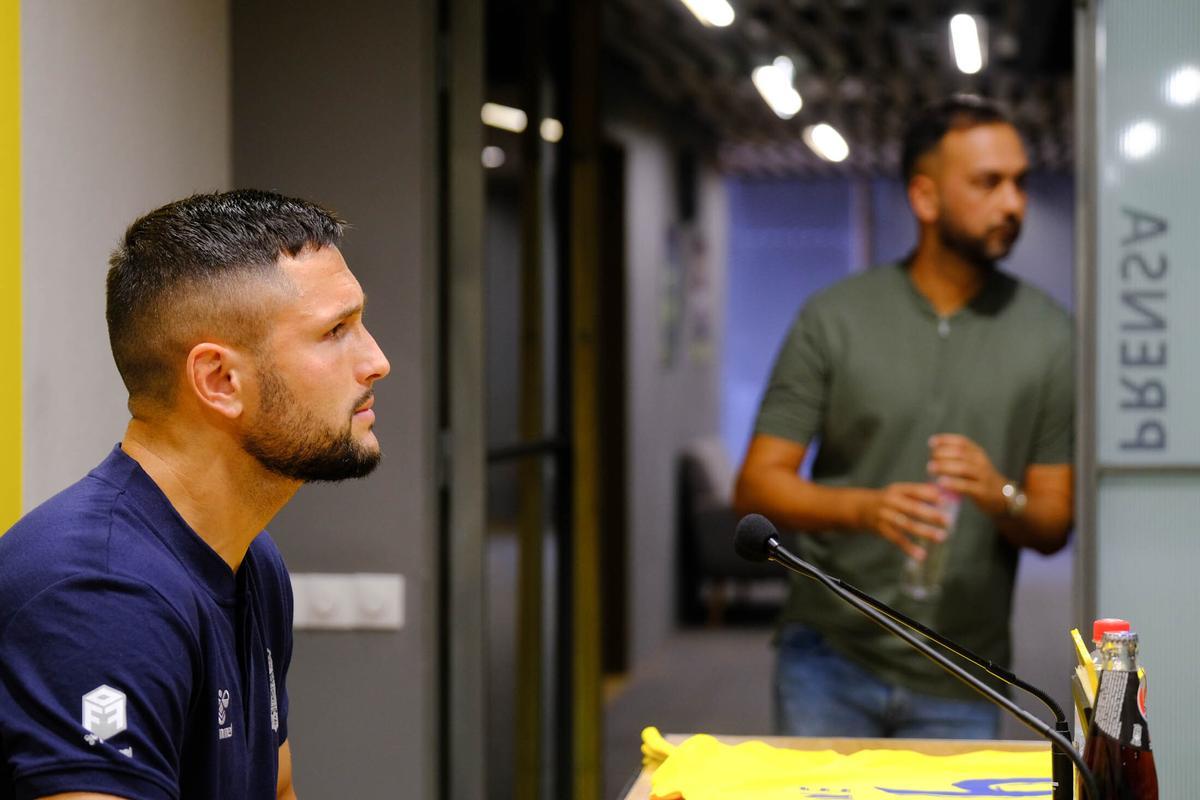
376 364
1014 199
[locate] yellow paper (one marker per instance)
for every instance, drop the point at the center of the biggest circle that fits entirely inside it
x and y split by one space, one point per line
655 748
1085 660
704 769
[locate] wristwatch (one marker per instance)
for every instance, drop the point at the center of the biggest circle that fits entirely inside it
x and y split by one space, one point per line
1014 499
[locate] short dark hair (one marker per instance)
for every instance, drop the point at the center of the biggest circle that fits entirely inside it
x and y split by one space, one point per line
935 120
181 272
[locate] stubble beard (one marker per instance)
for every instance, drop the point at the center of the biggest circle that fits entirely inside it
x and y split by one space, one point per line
291 442
974 249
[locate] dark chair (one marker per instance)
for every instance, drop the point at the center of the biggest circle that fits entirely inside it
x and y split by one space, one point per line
710 572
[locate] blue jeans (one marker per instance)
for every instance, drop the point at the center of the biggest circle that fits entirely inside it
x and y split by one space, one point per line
820 693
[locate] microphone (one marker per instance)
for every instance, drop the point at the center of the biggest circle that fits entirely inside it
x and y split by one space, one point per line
757 539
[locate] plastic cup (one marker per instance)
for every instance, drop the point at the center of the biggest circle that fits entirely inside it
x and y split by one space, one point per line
923 579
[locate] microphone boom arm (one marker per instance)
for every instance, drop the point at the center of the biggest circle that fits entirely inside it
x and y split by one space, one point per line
992 668
899 625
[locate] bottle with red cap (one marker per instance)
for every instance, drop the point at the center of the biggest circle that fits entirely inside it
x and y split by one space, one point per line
1118 748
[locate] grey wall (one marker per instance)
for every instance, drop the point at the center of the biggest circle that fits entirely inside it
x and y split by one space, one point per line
335 103
787 240
667 405
125 106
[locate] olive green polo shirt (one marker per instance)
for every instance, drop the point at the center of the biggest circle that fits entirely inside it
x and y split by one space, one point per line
867 374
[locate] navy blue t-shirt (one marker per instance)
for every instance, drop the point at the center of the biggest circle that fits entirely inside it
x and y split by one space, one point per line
133 661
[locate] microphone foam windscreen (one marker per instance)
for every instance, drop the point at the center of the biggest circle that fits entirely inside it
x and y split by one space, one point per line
750 539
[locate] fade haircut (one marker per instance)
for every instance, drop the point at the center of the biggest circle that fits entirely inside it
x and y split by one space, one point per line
202 268
957 112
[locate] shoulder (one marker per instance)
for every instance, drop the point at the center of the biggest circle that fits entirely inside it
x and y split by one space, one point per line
1039 313
836 313
877 284
87 603
70 525
68 534
89 539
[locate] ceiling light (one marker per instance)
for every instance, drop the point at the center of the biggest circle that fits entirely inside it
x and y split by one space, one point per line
1139 140
551 130
711 12
493 157
826 142
503 117
774 83
1183 87
966 40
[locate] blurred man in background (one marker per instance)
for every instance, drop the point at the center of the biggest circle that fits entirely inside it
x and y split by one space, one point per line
937 375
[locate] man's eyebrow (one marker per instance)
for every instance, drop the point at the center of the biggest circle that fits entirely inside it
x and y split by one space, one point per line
350 311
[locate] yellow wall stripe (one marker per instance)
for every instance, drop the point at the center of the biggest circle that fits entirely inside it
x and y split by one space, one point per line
10 263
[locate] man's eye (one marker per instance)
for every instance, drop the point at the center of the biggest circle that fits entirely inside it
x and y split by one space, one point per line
336 330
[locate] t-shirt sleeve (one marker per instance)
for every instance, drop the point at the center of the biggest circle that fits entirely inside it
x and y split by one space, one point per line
1054 435
95 682
793 405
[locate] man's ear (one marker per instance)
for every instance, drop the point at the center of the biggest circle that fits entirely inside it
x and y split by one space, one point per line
215 377
923 197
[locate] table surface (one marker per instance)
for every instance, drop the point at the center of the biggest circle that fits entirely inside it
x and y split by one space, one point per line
640 788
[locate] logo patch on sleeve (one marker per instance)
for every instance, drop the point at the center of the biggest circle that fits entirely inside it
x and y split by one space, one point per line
104 712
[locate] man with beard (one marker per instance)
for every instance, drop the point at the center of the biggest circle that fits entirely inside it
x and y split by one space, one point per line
145 616
939 374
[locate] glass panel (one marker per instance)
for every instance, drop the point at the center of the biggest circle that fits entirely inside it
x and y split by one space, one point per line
502 568
522 330
1147 333
1148 87
1147 553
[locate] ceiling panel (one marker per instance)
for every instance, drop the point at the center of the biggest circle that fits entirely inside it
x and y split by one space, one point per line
861 66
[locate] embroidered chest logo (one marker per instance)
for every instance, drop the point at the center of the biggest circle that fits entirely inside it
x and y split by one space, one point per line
274 701
223 731
103 713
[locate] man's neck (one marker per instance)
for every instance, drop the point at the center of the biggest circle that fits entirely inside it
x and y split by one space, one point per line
944 277
222 492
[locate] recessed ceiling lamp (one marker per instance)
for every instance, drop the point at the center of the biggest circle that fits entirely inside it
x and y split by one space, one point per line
966 40
503 117
717 13
492 157
826 142
515 120
551 130
774 83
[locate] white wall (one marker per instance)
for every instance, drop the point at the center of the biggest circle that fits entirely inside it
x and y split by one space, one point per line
668 406
125 105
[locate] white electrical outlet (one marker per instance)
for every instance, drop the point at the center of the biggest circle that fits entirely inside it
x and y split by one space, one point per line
379 601
348 601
